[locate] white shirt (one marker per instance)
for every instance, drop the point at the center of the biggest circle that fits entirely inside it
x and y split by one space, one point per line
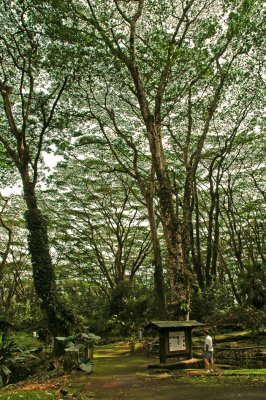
208 341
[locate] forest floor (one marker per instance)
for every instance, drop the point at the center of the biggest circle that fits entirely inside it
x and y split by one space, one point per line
120 375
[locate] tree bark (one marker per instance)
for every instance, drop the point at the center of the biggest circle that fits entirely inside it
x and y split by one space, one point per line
176 263
59 320
158 264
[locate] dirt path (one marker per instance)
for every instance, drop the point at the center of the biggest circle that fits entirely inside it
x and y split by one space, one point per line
169 388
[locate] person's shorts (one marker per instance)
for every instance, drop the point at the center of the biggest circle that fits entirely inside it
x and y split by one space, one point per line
208 355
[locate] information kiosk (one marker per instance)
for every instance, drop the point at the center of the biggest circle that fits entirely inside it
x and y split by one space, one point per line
175 338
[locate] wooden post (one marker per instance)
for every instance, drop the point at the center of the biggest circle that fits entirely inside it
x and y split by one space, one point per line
162 346
90 352
189 344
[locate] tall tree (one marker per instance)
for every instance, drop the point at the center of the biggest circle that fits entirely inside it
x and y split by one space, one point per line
30 98
160 78
105 234
156 57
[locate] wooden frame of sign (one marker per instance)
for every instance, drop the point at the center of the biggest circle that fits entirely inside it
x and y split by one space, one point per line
175 338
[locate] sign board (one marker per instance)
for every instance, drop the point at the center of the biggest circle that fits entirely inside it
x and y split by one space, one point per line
175 338
177 341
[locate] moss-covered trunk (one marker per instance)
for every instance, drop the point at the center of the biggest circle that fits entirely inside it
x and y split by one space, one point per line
59 320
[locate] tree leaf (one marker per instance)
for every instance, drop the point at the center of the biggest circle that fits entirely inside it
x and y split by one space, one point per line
86 367
5 370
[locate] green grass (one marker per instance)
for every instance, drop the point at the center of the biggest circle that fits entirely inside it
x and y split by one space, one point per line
29 395
249 372
227 378
225 336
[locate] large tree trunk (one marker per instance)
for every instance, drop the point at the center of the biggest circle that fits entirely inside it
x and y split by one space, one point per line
178 277
159 283
195 240
158 264
59 320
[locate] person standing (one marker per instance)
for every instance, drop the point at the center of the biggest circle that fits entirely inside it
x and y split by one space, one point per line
208 352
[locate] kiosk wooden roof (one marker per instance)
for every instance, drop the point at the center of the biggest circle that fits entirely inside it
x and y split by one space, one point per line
173 324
